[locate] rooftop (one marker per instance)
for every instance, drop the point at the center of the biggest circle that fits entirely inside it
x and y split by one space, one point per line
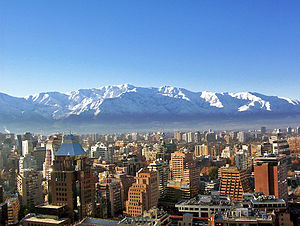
95 221
208 200
49 206
70 148
46 219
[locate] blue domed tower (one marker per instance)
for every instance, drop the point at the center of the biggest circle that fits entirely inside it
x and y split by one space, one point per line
72 182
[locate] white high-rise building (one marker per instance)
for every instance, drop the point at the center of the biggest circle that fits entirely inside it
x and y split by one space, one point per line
27 147
279 145
100 150
242 136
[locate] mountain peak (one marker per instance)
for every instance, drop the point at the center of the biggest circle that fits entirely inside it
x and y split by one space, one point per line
127 99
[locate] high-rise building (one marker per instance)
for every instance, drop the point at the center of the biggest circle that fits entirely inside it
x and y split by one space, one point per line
242 159
143 194
162 169
201 150
27 162
3 207
242 136
111 190
29 187
100 150
39 154
27 147
53 145
234 182
149 153
13 208
190 137
197 137
178 136
210 136
185 137
279 145
184 176
47 165
263 130
270 175
72 181
227 152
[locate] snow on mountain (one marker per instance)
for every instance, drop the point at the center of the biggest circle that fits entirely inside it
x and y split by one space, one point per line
212 99
128 99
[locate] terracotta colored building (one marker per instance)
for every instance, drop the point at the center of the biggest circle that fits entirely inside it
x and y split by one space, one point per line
143 194
72 182
270 176
234 182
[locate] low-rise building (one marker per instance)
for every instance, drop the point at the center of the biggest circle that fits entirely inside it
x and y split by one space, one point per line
48 215
150 217
205 205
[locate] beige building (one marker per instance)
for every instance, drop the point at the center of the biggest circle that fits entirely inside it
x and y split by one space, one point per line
184 176
29 187
201 150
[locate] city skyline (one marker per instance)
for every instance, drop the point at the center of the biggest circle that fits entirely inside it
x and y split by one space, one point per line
149 112
215 46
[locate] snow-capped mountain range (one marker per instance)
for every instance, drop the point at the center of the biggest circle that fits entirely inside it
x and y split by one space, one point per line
128 100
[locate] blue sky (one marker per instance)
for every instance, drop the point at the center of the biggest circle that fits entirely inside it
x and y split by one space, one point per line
199 45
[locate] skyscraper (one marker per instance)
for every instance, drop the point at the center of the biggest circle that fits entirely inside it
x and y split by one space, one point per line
143 194
29 186
185 176
111 191
72 182
201 150
263 130
162 169
27 147
270 175
234 182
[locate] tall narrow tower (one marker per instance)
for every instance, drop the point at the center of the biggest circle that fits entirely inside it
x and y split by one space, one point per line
72 182
185 176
